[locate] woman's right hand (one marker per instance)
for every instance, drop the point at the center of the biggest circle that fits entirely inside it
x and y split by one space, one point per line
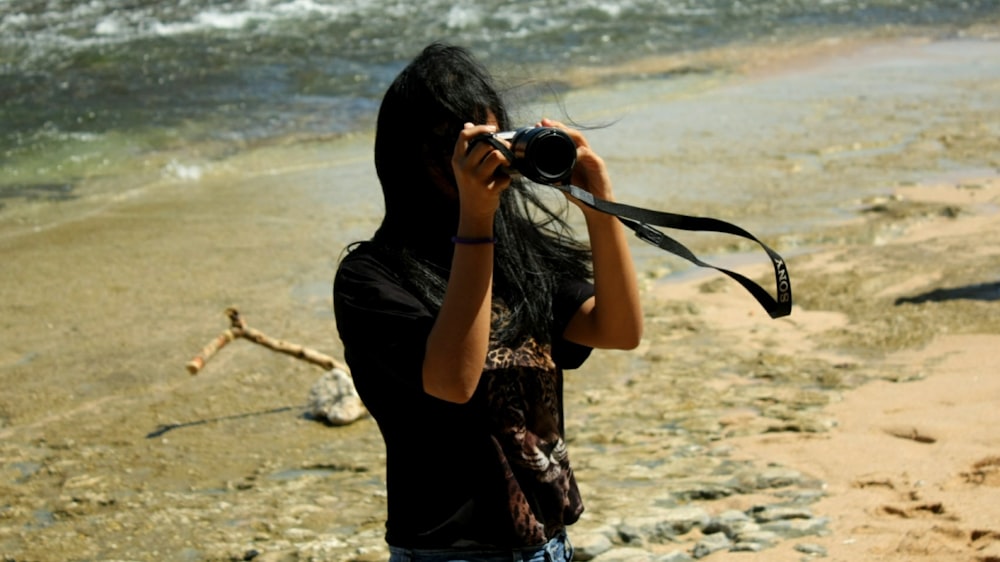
476 165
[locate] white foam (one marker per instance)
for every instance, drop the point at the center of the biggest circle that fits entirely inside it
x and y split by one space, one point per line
611 9
209 20
221 20
183 172
307 8
111 26
13 20
461 17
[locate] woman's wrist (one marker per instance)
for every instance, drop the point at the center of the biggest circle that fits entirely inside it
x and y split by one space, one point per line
472 227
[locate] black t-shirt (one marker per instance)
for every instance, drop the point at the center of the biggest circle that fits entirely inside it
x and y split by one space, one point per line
492 471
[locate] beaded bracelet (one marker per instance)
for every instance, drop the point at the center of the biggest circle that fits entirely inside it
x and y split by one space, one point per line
484 240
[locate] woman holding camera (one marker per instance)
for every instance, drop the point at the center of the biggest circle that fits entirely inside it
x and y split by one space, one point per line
459 316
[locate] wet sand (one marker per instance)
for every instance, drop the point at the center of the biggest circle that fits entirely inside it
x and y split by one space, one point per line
878 385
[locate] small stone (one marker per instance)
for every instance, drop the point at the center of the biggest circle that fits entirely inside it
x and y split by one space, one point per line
334 399
586 546
366 554
790 529
674 556
298 534
288 555
625 554
778 477
704 491
747 547
811 549
760 537
630 534
801 496
721 451
681 520
711 543
323 545
732 523
769 513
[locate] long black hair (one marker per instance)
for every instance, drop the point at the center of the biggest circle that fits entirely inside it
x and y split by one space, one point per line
418 123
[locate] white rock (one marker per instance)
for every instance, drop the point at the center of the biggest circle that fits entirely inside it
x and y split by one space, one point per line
334 399
587 546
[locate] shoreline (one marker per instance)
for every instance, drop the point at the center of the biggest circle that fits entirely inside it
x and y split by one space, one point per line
101 313
143 165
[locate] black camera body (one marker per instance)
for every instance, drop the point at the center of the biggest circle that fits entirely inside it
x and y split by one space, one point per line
544 155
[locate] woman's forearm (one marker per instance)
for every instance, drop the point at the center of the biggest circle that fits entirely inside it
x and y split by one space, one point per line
616 316
457 345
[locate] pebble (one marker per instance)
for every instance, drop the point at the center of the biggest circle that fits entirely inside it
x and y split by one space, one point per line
679 534
755 530
675 556
334 399
811 549
733 523
624 554
711 543
800 528
769 513
587 546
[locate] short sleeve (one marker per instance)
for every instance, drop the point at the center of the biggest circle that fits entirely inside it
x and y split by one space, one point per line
382 326
567 301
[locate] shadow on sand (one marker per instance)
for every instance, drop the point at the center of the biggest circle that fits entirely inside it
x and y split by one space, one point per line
982 292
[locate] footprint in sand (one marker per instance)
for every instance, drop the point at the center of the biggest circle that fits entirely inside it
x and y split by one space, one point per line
985 472
911 433
987 544
919 510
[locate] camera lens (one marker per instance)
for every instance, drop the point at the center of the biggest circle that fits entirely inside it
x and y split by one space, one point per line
544 154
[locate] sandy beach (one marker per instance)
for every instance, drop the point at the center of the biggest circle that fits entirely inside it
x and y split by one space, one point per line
911 466
879 391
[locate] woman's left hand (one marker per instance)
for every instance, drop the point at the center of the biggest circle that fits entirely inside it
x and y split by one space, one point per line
590 173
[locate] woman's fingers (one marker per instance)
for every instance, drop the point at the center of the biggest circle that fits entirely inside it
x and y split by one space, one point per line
574 134
477 164
478 157
590 172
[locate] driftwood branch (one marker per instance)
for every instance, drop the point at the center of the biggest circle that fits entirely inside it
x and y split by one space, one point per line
239 329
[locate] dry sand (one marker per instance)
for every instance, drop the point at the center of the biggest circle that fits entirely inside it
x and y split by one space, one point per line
912 468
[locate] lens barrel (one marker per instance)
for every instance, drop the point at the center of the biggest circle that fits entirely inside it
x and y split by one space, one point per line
544 155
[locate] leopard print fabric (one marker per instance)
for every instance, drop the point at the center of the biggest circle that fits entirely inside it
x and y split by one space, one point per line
523 394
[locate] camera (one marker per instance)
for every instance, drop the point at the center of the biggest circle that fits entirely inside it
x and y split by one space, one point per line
544 155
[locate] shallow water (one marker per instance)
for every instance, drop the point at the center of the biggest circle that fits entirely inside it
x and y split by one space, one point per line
114 87
788 158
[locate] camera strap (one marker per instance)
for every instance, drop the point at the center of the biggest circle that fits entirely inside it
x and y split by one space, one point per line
641 221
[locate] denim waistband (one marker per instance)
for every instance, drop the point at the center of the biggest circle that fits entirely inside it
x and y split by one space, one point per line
557 549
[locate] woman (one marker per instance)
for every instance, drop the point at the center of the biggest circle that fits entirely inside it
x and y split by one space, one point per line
460 314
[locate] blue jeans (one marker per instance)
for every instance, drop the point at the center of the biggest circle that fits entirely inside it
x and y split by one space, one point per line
558 549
